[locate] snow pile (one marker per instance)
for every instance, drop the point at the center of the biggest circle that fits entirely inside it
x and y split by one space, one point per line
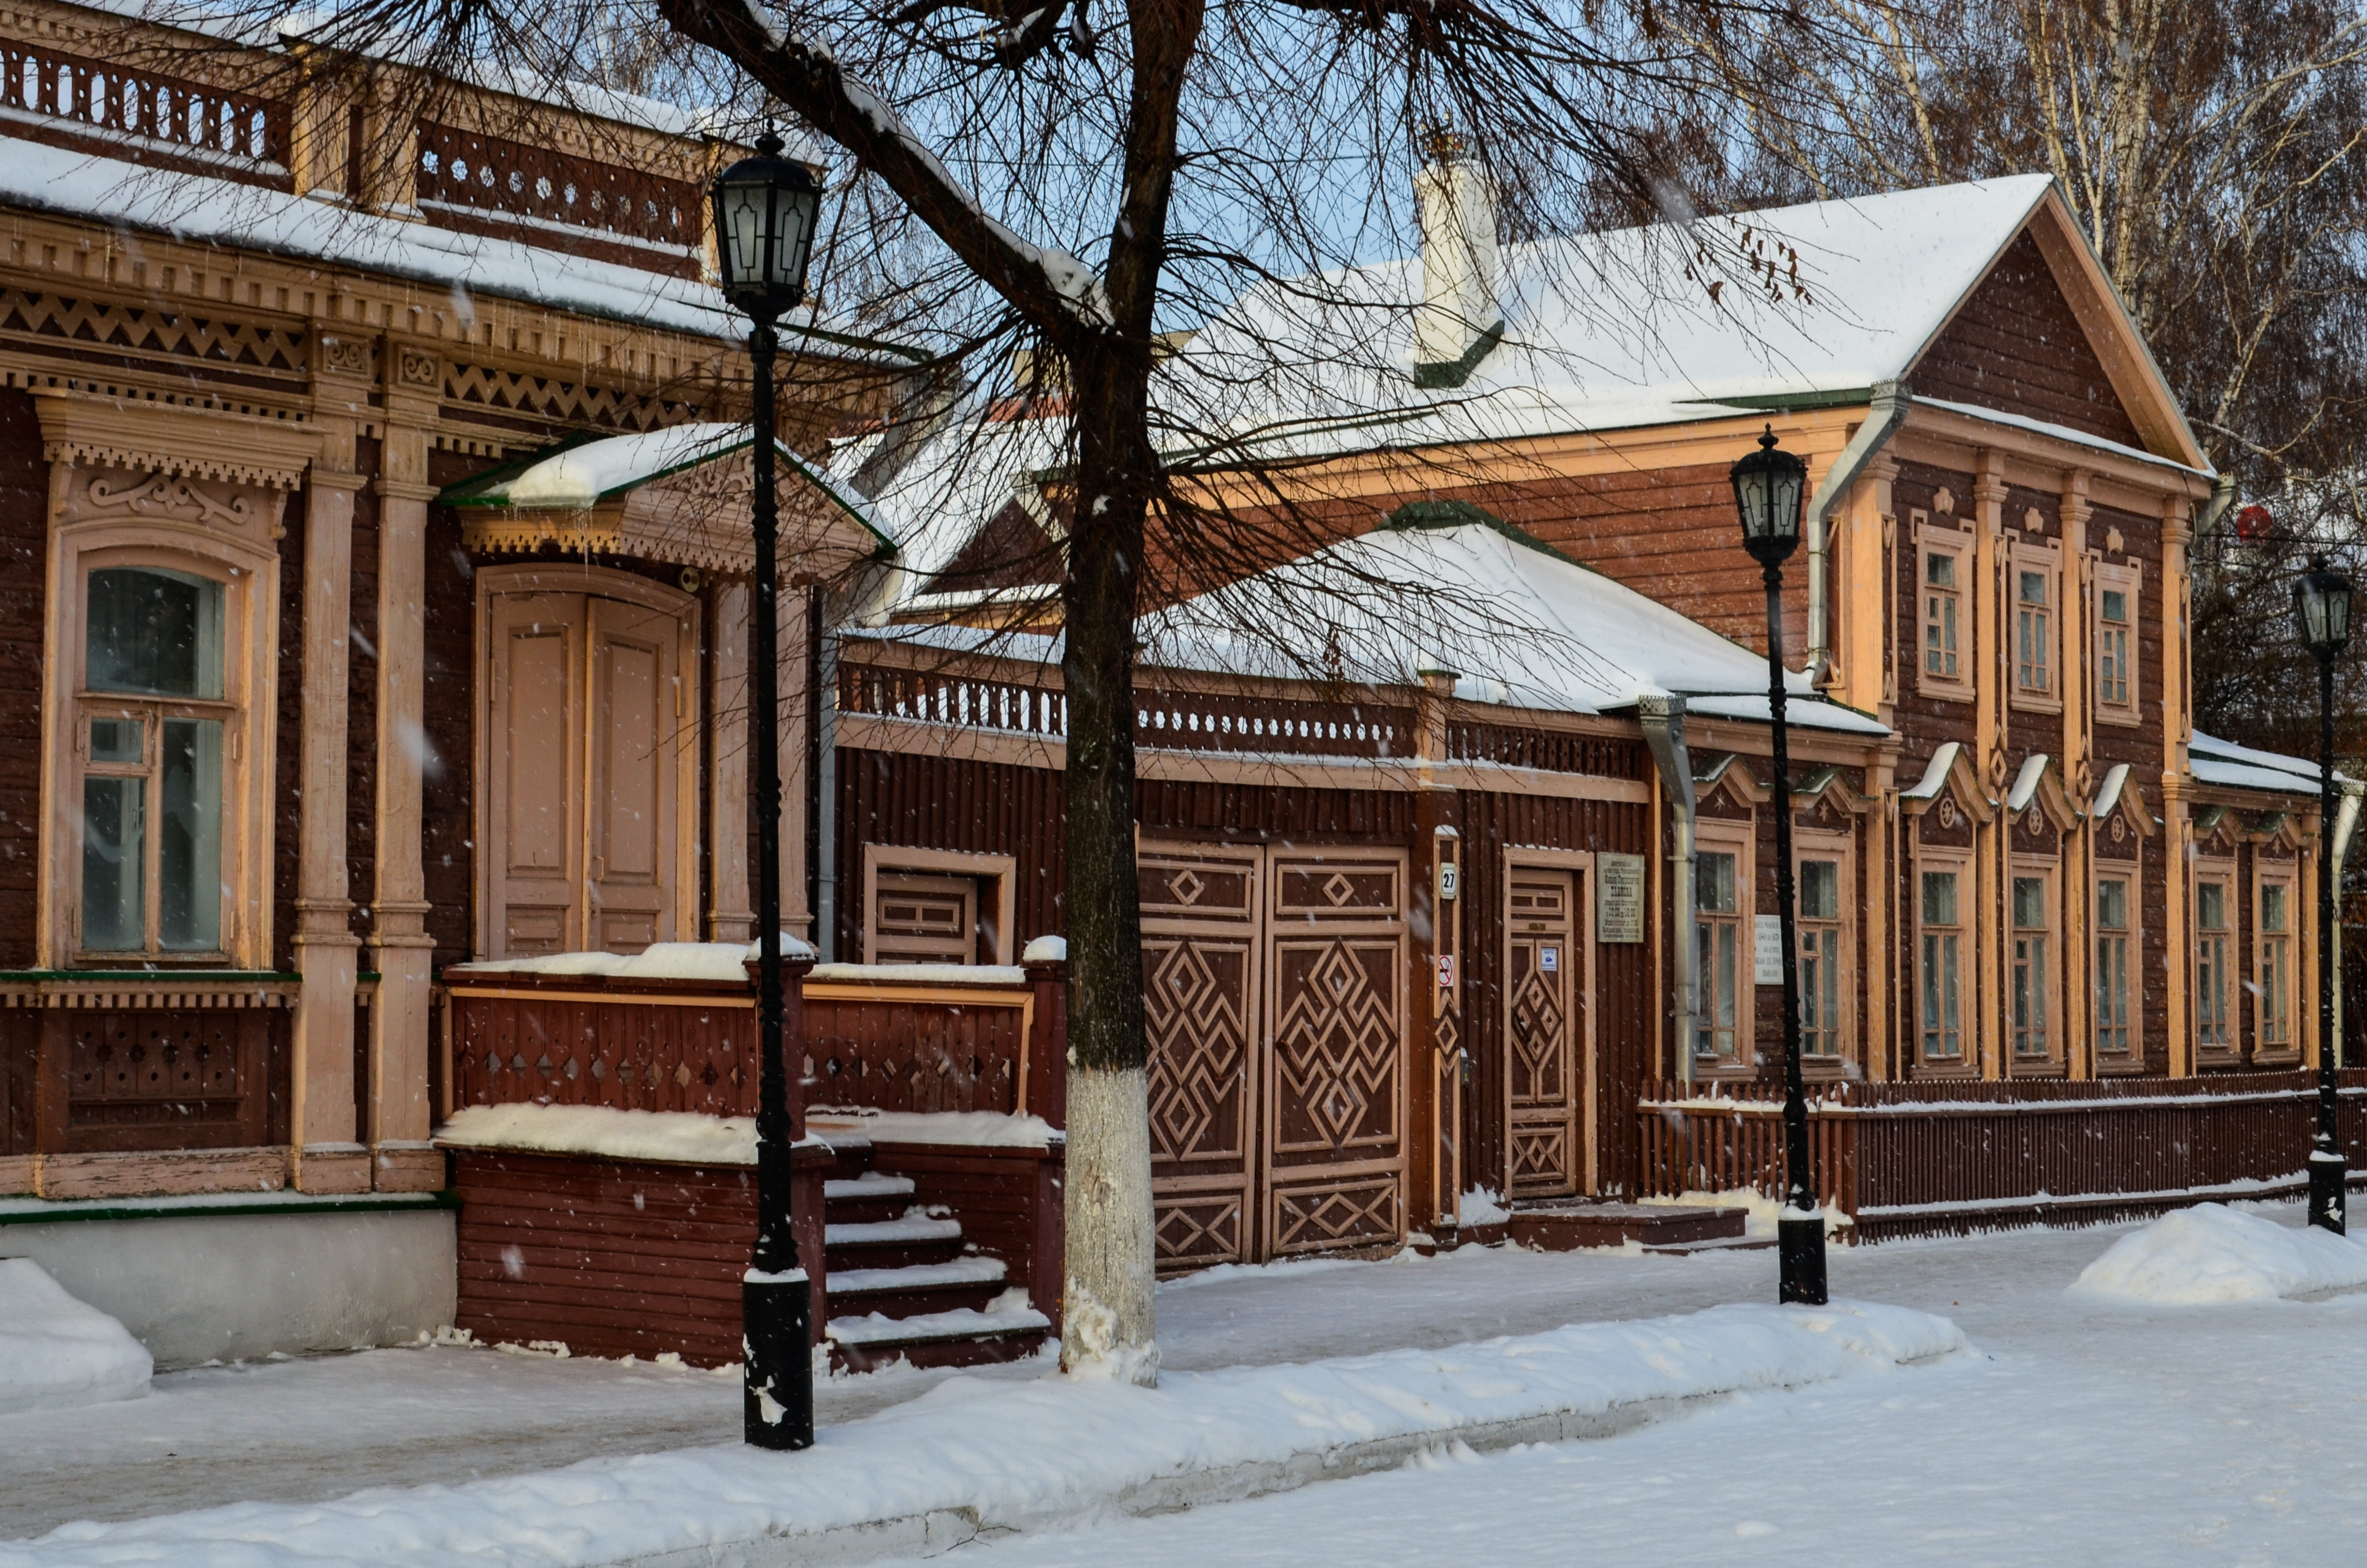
1046 949
56 1352
922 973
1761 1215
721 962
2211 1253
1482 1206
675 1137
966 1129
1016 1455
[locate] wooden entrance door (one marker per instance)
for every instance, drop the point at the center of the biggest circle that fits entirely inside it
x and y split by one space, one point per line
1544 995
585 724
1275 993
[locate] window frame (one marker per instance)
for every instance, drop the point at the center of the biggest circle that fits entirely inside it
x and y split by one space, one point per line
2046 561
1966 1059
2285 944
2130 1055
997 875
2214 870
2119 579
1812 843
1941 539
248 708
1717 835
2049 1012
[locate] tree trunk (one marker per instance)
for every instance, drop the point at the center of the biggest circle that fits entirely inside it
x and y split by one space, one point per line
1106 1306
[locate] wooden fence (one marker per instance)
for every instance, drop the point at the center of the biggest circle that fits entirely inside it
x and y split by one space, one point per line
1923 1157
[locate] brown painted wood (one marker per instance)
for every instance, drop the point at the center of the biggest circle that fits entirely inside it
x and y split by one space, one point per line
2016 346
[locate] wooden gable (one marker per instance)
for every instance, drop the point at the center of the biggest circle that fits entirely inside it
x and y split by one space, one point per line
2016 344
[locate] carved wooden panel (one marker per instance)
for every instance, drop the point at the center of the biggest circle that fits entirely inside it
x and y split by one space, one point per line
1199 957
1336 1214
1542 992
923 919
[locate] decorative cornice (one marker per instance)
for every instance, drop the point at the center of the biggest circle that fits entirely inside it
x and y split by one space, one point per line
102 433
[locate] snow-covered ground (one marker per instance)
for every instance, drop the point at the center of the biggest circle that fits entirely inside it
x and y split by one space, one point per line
2083 1428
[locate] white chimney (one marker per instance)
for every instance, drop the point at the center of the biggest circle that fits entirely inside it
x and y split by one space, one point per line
1458 253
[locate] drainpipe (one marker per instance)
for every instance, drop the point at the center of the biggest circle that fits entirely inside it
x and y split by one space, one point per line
1663 719
1882 421
2222 495
2345 818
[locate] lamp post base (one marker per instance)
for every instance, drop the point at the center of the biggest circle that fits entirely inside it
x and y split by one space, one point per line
1800 1245
776 1343
2327 1176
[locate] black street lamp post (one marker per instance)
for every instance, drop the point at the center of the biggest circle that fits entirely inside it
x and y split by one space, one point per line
1769 486
2322 616
764 212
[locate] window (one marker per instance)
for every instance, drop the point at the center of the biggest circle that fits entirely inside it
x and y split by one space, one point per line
936 905
2032 979
2033 632
1943 613
1820 957
2116 643
2211 936
150 721
2275 1031
1943 577
2112 966
1941 981
1718 912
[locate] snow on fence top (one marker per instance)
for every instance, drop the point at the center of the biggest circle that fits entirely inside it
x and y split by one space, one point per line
717 961
690 1138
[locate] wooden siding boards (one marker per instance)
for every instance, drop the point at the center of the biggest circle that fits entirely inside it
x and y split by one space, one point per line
361 696
448 713
2015 345
287 794
944 803
24 568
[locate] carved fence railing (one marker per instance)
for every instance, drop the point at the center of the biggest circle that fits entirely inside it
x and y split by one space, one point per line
1949 1156
496 177
212 124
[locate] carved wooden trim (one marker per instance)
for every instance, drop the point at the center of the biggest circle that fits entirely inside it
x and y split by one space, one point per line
95 433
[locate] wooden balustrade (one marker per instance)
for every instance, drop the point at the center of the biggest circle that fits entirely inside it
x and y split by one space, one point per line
211 124
1551 751
932 697
537 186
1904 1158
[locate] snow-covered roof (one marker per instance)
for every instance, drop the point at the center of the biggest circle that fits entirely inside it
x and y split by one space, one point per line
208 211
963 475
1606 331
2060 432
1519 624
2214 761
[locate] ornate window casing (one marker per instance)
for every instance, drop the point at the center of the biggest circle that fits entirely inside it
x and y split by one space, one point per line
1944 963
1725 899
161 652
2276 954
1944 611
2034 964
2114 917
936 905
2033 606
1824 873
2217 981
2115 619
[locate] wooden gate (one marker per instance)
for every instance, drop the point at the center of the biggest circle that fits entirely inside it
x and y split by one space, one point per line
1275 993
1545 990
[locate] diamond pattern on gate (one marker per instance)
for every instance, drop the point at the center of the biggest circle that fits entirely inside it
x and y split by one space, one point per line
1539 1042
1335 1216
1198 1046
1540 1155
1336 1046
1200 1230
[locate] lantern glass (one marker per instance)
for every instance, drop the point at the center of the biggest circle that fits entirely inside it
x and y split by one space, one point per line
765 209
2322 609
1769 486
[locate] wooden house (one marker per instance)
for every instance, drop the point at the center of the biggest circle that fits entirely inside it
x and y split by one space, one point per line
374 600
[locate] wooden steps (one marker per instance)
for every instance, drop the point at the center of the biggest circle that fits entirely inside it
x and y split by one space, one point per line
1567 1226
905 1285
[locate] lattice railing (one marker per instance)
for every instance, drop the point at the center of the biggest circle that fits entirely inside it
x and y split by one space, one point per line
126 100
936 698
510 179
1199 721
1548 750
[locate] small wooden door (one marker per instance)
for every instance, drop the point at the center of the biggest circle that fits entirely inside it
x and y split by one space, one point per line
1545 992
536 702
586 717
922 918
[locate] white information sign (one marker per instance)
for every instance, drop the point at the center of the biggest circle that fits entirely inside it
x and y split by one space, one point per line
1767 950
1618 898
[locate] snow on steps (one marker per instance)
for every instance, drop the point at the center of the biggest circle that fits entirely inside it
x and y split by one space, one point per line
935 1472
916 1277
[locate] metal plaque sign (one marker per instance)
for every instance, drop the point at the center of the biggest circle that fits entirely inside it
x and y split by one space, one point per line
1767 950
1619 898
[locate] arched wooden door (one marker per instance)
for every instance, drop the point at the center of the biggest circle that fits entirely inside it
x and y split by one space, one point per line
587 753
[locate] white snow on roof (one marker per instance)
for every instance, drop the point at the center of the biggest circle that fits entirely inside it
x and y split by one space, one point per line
218 211
2061 432
1517 623
2215 761
953 487
1606 330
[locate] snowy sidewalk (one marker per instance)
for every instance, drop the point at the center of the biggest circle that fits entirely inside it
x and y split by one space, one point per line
975 1456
